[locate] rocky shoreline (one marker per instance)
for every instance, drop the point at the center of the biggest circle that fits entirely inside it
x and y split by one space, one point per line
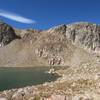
30 92
70 86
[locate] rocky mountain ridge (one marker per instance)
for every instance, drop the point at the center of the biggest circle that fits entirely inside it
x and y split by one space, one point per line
83 34
60 45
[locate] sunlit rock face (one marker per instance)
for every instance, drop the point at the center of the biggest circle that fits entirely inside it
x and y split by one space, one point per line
7 34
85 35
81 34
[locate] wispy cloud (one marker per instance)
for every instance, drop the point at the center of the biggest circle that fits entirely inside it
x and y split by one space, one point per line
15 17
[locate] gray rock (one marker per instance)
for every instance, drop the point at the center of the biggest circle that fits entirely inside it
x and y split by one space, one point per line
82 34
3 99
7 34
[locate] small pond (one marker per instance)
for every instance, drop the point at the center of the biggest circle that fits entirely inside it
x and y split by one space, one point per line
21 77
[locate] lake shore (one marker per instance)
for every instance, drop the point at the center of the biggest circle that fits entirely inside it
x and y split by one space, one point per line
21 77
72 84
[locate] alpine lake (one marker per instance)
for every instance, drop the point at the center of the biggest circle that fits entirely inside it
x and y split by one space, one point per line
20 77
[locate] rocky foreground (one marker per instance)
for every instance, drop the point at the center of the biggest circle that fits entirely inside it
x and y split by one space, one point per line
73 48
74 84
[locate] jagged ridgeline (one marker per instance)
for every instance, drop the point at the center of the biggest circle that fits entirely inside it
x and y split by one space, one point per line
7 34
82 34
61 45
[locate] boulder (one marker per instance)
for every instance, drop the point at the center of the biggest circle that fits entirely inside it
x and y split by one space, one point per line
3 99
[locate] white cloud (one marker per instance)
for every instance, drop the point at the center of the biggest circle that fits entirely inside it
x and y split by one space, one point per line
16 17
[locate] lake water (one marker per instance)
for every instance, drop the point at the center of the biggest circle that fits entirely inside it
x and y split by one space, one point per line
20 77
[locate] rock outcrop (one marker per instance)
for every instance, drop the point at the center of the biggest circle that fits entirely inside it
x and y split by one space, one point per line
82 34
85 35
7 34
59 43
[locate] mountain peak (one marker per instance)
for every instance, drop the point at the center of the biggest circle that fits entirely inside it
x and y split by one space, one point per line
7 34
83 34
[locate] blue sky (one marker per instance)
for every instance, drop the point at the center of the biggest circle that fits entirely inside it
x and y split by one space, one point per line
48 13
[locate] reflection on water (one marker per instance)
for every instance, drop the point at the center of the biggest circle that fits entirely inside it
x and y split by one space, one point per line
20 77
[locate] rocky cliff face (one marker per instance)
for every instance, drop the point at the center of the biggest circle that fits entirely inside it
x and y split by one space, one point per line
7 34
83 34
86 35
60 45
